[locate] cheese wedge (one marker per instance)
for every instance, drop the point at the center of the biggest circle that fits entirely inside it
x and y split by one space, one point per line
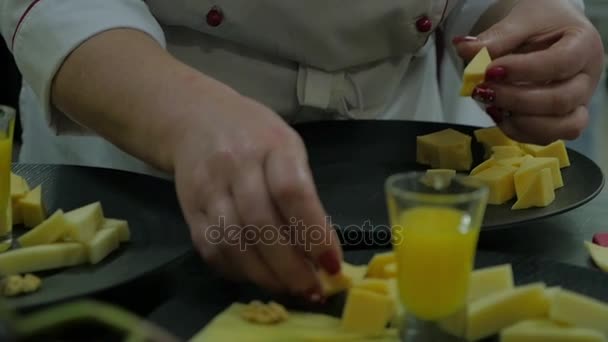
490 280
475 72
121 225
538 194
515 161
599 255
547 331
527 172
32 208
576 309
504 152
499 180
367 312
375 268
103 243
49 231
492 136
380 286
42 258
446 149
331 285
486 164
556 149
489 315
19 188
86 221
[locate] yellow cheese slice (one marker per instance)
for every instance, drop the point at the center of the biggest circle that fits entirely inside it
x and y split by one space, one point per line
103 243
576 309
50 230
504 152
367 312
475 72
599 255
515 161
492 136
377 285
32 208
527 172
490 280
556 149
42 258
86 221
446 149
124 231
375 268
499 180
548 331
539 194
489 315
486 164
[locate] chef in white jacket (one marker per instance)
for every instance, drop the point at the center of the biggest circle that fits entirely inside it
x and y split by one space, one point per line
203 91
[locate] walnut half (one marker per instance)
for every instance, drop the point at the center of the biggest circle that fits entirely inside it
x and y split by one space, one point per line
260 313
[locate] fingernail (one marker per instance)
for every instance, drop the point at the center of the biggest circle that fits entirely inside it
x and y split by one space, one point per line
601 239
496 74
462 39
484 94
496 114
330 263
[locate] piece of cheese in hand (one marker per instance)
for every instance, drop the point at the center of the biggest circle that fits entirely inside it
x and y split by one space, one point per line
576 309
32 208
377 285
50 230
548 331
475 72
86 221
42 258
504 152
367 312
489 315
446 149
121 225
599 255
103 243
556 149
499 180
539 194
375 268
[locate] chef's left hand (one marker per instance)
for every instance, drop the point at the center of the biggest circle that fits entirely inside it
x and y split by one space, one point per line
548 60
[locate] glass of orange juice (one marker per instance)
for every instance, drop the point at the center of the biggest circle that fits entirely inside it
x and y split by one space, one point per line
435 221
7 126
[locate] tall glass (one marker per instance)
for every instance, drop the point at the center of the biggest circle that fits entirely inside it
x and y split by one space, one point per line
435 223
7 126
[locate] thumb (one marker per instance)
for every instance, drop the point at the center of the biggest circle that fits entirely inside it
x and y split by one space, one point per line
501 39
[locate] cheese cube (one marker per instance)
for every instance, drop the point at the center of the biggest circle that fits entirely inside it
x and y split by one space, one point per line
504 152
547 331
331 285
539 194
556 149
32 208
380 286
19 187
492 136
488 163
49 231
85 221
103 243
446 149
489 315
375 268
439 178
42 258
599 255
528 171
490 280
499 180
121 225
475 72
575 309
367 312
515 161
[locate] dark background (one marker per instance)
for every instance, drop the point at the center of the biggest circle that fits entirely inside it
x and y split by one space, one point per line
10 83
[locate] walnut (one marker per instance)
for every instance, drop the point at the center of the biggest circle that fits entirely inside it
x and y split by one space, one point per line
260 313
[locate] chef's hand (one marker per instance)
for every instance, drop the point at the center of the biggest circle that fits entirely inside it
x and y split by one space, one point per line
548 59
241 174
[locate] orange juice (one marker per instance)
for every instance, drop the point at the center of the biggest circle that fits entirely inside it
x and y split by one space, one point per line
7 125
435 250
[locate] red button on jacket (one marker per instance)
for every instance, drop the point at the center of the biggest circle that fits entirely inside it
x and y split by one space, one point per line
215 17
424 24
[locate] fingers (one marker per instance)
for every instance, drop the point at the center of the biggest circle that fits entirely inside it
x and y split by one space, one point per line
544 130
277 250
553 99
292 188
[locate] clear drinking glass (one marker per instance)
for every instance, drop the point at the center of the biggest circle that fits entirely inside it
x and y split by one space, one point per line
435 223
7 126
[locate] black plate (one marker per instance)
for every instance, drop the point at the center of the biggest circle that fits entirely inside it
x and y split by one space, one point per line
352 159
158 233
203 295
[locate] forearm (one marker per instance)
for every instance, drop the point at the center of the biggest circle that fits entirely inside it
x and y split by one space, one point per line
124 86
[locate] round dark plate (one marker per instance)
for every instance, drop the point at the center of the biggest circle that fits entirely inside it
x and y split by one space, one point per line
352 159
158 233
204 295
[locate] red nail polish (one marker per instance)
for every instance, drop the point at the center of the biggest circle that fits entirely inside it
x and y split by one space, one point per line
496 74
462 39
484 94
330 263
496 114
601 239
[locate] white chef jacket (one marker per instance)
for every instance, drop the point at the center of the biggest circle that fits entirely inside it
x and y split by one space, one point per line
307 60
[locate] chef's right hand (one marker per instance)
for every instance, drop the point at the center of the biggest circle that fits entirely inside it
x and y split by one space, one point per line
241 174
